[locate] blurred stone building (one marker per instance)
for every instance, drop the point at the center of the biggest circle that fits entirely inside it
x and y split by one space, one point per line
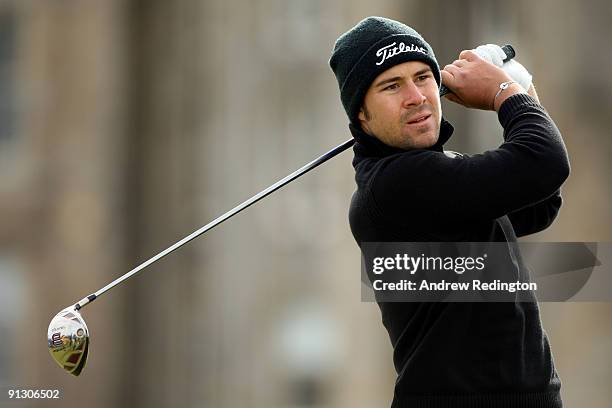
127 124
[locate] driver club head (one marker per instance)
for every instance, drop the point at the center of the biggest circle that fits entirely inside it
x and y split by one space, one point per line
68 340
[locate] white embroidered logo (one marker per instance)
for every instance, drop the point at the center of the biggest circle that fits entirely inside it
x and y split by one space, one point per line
387 52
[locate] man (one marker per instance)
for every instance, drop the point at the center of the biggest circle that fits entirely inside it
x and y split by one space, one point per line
410 190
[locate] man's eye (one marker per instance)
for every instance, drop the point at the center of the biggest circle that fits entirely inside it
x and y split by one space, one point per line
422 77
390 87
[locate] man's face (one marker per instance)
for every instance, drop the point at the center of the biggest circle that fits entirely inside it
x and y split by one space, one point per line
402 107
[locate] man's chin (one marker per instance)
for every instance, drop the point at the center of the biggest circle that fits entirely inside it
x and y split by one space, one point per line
432 140
422 141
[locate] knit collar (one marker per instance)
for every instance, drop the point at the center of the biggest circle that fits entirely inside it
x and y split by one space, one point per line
367 145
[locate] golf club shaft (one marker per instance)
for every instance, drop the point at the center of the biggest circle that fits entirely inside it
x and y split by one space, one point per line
299 172
510 53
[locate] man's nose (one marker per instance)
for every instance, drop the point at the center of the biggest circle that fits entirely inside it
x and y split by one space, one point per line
412 95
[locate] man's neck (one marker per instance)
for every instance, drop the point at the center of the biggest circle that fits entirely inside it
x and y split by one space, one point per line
376 147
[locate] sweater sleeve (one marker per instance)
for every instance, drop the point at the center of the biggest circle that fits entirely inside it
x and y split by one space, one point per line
527 168
536 217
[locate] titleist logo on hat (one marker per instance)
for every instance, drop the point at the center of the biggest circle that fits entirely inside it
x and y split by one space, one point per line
391 50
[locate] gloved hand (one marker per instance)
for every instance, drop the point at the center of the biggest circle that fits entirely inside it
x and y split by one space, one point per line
494 54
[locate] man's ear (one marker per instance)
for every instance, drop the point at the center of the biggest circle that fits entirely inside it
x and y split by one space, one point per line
363 120
361 115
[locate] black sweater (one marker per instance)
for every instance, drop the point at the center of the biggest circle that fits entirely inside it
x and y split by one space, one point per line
465 354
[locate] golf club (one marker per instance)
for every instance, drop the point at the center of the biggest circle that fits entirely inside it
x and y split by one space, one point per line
68 336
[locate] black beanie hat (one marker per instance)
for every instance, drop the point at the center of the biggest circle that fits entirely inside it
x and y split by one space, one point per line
374 45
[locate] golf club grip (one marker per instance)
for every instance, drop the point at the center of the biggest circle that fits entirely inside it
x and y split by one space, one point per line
508 50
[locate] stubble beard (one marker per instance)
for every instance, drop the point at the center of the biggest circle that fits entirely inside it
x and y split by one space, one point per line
410 140
403 140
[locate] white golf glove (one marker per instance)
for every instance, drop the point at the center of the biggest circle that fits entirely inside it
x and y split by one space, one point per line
494 54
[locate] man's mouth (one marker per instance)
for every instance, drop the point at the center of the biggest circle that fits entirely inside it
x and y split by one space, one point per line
420 118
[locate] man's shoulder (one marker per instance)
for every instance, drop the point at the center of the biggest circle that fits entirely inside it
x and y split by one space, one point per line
410 167
407 163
